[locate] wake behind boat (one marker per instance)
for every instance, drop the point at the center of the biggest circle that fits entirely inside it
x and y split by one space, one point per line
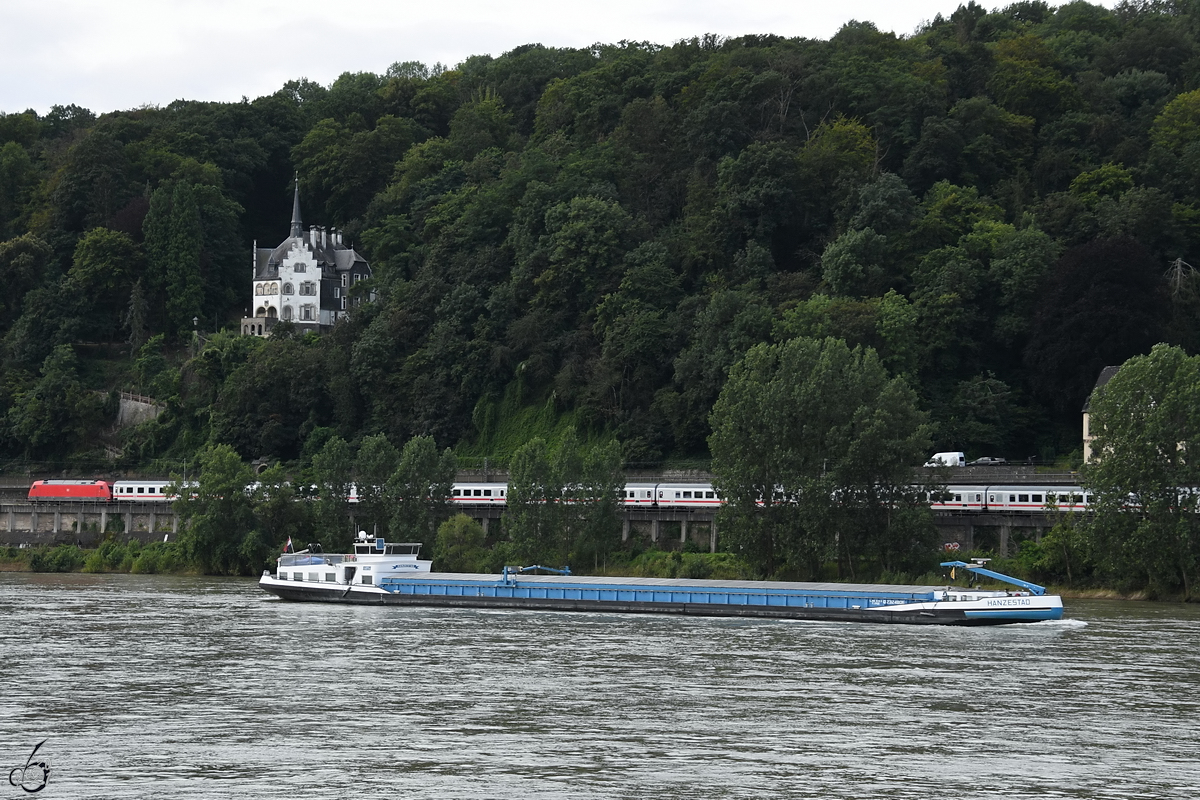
380 573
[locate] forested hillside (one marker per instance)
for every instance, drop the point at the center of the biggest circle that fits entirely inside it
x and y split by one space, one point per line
1000 205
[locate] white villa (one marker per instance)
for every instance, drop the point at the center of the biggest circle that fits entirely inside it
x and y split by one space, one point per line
306 280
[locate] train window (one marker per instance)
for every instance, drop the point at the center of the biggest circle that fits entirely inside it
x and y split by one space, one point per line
487 492
978 497
479 492
502 493
1012 498
710 495
1037 498
1023 498
1062 498
1076 499
458 492
677 495
991 498
687 495
958 498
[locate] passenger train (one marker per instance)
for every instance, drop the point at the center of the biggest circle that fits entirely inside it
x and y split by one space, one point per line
954 498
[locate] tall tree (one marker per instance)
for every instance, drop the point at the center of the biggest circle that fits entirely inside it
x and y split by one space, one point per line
812 445
217 516
332 469
1146 423
419 491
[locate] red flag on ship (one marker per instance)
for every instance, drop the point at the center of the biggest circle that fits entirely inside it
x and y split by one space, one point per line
288 546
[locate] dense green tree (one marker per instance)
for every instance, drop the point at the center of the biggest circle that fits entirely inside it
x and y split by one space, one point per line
24 264
376 462
101 277
812 444
56 414
419 491
332 471
1146 422
532 515
217 524
459 546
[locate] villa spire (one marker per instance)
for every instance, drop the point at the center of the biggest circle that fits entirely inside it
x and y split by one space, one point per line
297 225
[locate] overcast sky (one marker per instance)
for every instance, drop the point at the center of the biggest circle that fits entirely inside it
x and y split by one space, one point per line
123 54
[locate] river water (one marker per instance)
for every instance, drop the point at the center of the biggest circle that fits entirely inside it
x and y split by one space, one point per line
153 686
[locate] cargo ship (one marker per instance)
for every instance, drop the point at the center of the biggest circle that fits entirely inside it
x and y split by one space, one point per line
383 573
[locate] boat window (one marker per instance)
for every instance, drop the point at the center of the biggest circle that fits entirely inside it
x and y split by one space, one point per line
330 577
297 576
366 579
312 576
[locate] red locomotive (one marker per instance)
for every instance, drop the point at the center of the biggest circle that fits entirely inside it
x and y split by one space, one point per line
99 491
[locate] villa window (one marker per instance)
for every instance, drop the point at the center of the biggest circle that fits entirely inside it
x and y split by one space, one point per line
288 289
345 279
258 288
287 313
299 266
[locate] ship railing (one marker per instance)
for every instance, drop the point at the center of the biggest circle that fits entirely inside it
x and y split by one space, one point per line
311 559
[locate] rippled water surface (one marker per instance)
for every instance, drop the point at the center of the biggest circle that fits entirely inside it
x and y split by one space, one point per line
150 686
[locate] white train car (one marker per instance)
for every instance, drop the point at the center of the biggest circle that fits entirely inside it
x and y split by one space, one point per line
687 495
640 495
1036 498
479 494
959 498
142 491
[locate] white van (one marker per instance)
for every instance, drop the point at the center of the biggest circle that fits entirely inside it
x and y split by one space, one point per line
947 460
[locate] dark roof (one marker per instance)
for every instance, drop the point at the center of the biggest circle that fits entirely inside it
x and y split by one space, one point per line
334 257
1106 375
